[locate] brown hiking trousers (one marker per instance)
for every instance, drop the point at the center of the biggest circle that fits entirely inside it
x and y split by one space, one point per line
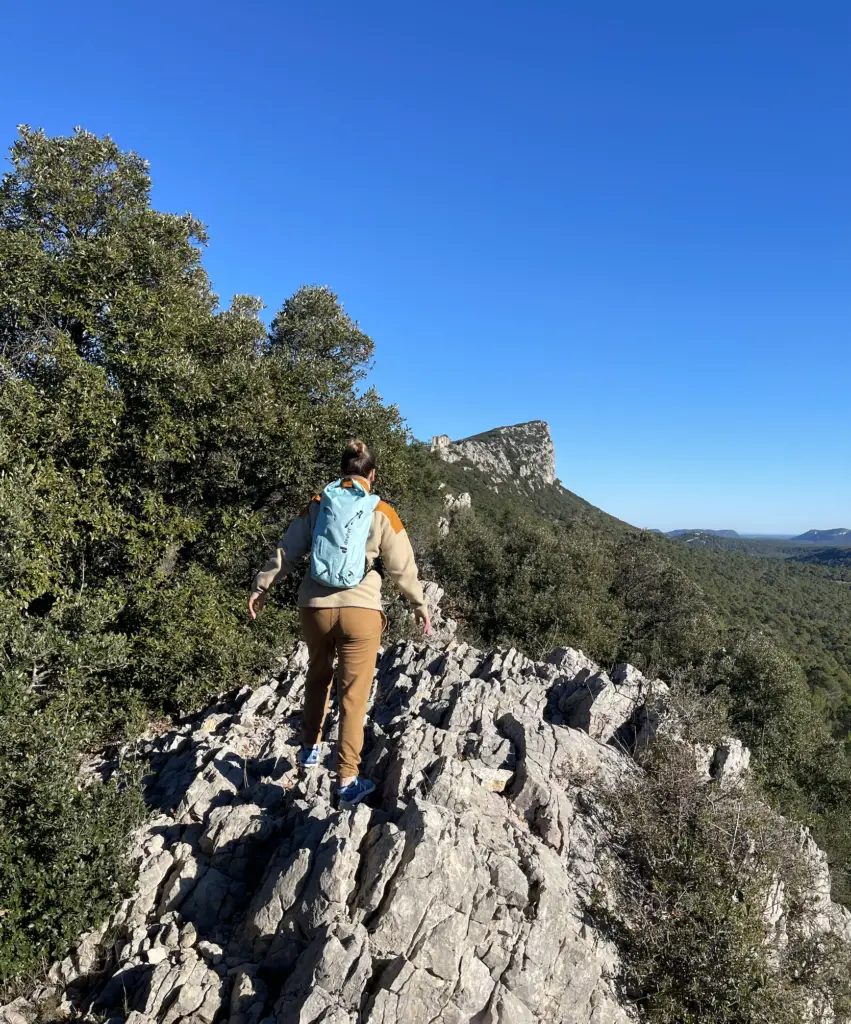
354 635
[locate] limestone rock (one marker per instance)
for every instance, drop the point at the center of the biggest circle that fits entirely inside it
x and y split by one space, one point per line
523 453
457 895
603 705
455 503
444 627
730 761
20 1011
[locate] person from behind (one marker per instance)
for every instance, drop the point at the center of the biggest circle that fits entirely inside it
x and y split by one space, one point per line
343 530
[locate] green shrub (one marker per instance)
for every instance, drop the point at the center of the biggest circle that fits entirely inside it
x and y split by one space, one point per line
62 846
695 870
669 626
517 579
802 769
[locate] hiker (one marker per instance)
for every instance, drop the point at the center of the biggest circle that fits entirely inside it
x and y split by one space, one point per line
344 530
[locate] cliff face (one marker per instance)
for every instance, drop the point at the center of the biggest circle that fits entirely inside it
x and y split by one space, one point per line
523 453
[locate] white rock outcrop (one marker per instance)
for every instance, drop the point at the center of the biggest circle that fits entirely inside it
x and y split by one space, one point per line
523 453
458 895
453 504
457 502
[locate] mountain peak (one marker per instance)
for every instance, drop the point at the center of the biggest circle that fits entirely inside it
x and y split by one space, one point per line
523 453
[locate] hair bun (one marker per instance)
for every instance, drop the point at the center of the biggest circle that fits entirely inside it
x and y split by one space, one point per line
358 458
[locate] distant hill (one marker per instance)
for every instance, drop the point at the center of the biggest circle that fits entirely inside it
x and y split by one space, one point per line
711 533
763 547
838 536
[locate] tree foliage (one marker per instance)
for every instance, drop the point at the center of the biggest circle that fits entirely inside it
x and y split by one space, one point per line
153 445
517 580
62 844
698 869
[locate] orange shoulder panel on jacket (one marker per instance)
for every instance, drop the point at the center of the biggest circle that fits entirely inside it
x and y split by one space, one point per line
390 512
306 510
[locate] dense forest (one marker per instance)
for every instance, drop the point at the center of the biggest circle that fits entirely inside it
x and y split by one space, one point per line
154 443
802 599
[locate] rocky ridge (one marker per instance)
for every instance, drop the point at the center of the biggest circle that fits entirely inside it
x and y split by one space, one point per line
523 453
458 896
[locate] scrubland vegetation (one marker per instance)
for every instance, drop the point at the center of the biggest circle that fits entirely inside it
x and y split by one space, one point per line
154 443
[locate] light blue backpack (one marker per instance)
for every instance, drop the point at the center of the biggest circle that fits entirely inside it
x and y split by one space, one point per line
338 554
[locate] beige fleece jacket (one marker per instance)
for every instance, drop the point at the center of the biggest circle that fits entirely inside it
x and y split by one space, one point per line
387 538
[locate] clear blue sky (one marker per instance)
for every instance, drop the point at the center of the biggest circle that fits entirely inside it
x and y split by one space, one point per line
632 220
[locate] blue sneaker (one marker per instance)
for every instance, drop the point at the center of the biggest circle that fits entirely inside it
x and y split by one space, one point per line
308 757
355 792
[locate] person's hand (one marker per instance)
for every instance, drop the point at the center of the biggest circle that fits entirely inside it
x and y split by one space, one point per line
255 604
425 622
